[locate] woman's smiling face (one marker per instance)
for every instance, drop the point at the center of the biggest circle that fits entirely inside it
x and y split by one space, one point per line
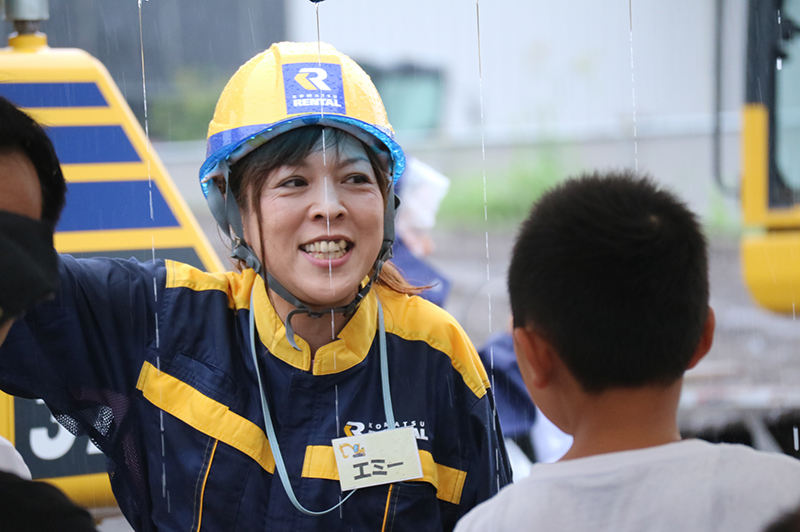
321 223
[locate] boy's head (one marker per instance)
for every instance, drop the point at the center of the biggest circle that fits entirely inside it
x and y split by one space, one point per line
613 273
32 190
20 134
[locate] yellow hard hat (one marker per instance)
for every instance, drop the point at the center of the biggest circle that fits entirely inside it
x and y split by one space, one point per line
292 85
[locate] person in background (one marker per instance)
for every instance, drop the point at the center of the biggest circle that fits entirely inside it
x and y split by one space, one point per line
421 190
609 295
32 190
515 409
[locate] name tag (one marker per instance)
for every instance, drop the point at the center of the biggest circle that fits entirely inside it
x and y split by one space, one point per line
377 458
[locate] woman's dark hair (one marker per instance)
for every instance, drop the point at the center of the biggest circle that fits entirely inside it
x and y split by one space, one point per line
18 131
613 271
249 175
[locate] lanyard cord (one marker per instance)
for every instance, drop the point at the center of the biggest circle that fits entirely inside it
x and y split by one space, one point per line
387 394
272 438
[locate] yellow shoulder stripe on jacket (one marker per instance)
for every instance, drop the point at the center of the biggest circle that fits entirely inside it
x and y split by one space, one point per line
205 414
236 285
320 462
414 318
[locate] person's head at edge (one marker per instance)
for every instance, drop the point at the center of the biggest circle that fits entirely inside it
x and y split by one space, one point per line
313 189
32 187
609 294
21 136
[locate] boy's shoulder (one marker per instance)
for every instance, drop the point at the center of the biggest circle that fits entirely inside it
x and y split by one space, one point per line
698 461
694 475
742 464
719 458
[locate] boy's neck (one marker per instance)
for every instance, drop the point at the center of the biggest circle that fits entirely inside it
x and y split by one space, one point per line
623 419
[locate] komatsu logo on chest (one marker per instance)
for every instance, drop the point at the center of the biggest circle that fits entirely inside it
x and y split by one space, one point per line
357 428
314 87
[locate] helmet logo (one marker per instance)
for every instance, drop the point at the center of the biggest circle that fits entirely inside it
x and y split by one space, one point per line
313 88
312 83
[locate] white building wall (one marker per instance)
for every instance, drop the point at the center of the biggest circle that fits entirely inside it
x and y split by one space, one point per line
559 72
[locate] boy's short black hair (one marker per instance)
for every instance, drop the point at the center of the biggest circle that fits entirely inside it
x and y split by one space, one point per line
18 131
613 271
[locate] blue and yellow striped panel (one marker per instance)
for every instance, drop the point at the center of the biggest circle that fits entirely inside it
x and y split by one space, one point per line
53 94
119 199
120 203
92 144
115 205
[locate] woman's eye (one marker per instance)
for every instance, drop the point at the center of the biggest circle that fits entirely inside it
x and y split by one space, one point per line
293 182
358 178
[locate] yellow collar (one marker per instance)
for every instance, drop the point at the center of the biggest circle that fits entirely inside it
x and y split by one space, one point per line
350 347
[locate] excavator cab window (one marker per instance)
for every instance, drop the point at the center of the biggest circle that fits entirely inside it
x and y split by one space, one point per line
787 107
773 83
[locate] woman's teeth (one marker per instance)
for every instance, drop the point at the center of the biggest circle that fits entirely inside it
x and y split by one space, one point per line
326 249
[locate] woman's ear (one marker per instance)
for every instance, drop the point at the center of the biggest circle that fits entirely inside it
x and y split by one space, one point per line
535 356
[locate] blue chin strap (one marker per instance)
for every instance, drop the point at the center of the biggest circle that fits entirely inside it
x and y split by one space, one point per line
229 219
226 213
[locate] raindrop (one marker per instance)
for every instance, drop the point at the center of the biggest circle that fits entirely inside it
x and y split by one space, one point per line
486 214
483 156
327 222
328 233
324 150
336 399
324 156
146 121
319 63
252 31
164 491
319 45
633 92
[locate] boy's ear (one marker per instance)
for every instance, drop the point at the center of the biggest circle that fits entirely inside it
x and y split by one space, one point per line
706 339
535 357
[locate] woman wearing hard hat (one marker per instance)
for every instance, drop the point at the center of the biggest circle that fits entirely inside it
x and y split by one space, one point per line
261 399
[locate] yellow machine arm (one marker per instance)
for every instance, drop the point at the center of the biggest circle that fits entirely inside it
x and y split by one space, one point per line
121 203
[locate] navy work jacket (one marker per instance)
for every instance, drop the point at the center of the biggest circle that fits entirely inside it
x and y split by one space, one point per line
152 360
